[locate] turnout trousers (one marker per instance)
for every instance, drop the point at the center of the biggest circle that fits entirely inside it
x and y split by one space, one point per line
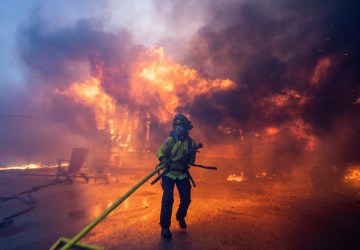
184 189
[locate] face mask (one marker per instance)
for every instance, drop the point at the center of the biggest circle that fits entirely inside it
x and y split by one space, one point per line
180 132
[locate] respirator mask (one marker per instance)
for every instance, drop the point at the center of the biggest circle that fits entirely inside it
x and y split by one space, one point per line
180 132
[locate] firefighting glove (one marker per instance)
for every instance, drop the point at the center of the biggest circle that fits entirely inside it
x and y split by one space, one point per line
165 161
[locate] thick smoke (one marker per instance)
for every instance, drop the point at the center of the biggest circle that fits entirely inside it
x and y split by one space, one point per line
52 124
267 48
303 50
294 64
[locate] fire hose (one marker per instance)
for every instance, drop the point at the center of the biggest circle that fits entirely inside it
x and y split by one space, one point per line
64 243
76 238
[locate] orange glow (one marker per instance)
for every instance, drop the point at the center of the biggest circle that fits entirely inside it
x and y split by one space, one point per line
238 178
288 101
158 86
145 202
99 208
27 166
272 131
261 175
163 85
320 71
353 176
92 95
280 100
302 130
285 98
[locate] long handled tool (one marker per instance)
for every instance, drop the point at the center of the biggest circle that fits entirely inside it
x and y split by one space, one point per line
202 166
74 241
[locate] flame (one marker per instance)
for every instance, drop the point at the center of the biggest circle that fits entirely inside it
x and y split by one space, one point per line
238 178
91 94
353 176
26 166
272 131
163 85
157 84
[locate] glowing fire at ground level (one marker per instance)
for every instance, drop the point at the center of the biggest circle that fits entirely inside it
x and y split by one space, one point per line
352 175
277 107
256 213
26 166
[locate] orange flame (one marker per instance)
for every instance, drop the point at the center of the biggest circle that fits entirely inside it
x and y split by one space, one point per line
353 176
238 178
272 131
26 166
156 82
92 95
163 85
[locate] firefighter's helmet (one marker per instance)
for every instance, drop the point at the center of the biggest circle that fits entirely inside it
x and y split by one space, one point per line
180 119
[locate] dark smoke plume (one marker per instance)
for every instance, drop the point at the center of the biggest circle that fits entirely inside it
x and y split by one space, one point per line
295 65
271 47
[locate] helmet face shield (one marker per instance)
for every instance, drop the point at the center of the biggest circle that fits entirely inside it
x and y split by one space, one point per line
180 119
181 126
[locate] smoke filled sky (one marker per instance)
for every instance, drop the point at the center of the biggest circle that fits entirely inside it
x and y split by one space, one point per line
284 70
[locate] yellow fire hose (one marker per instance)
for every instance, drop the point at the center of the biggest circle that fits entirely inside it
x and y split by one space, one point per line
71 242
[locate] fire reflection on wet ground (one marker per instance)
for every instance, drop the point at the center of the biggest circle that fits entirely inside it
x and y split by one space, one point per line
256 213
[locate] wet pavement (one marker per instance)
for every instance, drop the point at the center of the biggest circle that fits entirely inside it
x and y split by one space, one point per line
253 214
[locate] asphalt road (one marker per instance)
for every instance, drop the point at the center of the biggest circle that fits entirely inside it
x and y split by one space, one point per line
253 214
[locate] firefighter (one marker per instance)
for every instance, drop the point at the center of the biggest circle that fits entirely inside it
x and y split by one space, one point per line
176 153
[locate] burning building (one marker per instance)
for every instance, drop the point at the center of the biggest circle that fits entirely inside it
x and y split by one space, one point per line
271 87
275 98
